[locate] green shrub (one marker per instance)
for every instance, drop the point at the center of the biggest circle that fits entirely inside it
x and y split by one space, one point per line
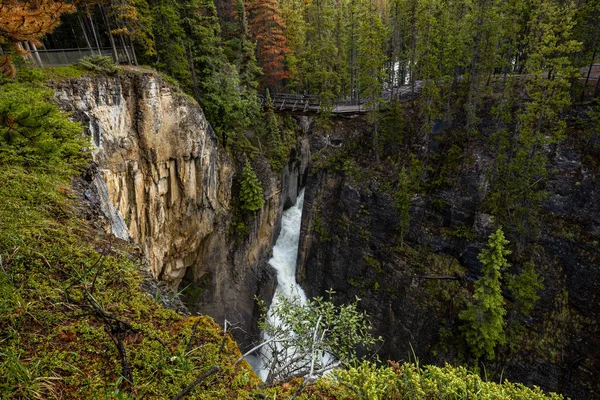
98 63
33 131
408 381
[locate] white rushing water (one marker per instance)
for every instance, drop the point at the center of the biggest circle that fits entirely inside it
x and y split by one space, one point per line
285 253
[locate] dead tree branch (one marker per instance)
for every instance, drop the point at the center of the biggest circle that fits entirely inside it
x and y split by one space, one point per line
192 385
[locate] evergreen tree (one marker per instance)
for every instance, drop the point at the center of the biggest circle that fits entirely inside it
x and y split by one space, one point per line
525 287
427 48
215 81
292 12
484 318
251 192
249 70
529 122
276 149
34 133
371 56
485 31
170 41
321 58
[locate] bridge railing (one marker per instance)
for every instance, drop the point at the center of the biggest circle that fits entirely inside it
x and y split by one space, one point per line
313 103
60 57
293 102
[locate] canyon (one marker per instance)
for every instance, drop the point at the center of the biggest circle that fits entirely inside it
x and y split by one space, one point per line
166 184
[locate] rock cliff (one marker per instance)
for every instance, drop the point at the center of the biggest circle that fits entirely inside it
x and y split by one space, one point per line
169 187
414 290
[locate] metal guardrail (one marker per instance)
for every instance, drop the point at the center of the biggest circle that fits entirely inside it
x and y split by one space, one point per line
312 103
60 57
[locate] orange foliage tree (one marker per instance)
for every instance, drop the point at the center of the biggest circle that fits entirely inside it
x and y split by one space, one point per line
267 27
26 21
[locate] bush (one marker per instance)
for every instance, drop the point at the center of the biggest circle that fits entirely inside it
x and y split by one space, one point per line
33 131
308 339
408 381
98 63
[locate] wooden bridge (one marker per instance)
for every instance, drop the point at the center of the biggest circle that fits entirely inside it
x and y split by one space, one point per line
309 104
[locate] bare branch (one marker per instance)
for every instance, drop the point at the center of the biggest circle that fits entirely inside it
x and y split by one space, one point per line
192 385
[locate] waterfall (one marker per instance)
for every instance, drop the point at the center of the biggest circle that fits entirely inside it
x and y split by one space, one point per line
285 253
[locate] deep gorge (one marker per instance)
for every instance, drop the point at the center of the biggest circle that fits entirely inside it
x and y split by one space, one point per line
172 185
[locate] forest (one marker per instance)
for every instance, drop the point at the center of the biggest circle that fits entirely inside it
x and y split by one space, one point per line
225 52
497 89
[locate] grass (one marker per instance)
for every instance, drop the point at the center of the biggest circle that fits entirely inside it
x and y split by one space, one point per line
51 345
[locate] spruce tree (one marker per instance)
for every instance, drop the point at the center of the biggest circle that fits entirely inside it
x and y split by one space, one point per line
484 322
276 149
292 12
251 190
321 60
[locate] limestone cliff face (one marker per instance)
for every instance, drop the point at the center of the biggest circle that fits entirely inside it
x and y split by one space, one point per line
163 173
159 160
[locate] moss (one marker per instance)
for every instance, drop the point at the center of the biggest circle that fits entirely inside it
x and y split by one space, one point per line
461 232
374 264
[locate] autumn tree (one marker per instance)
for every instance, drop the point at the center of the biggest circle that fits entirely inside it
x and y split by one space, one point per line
267 29
26 21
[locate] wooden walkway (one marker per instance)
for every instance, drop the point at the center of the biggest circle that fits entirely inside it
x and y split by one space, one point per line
310 104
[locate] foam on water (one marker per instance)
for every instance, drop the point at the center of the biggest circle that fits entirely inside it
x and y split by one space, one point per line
285 253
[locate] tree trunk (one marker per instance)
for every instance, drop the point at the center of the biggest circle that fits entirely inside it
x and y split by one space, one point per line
94 30
85 35
110 35
36 55
129 61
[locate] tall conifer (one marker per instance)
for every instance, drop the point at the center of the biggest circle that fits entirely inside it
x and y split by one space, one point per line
484 318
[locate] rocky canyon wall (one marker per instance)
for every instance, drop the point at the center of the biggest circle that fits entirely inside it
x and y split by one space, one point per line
414 288
169 189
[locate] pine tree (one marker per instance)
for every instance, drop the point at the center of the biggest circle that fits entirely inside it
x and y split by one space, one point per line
525 288
321 60
247 65
215 81
267 28
371 57
533 120
251 190
484 318
276 149
27 21
170 40
427 49
292 12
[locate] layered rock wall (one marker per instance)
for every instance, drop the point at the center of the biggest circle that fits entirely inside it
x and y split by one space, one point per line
413 288
167 180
